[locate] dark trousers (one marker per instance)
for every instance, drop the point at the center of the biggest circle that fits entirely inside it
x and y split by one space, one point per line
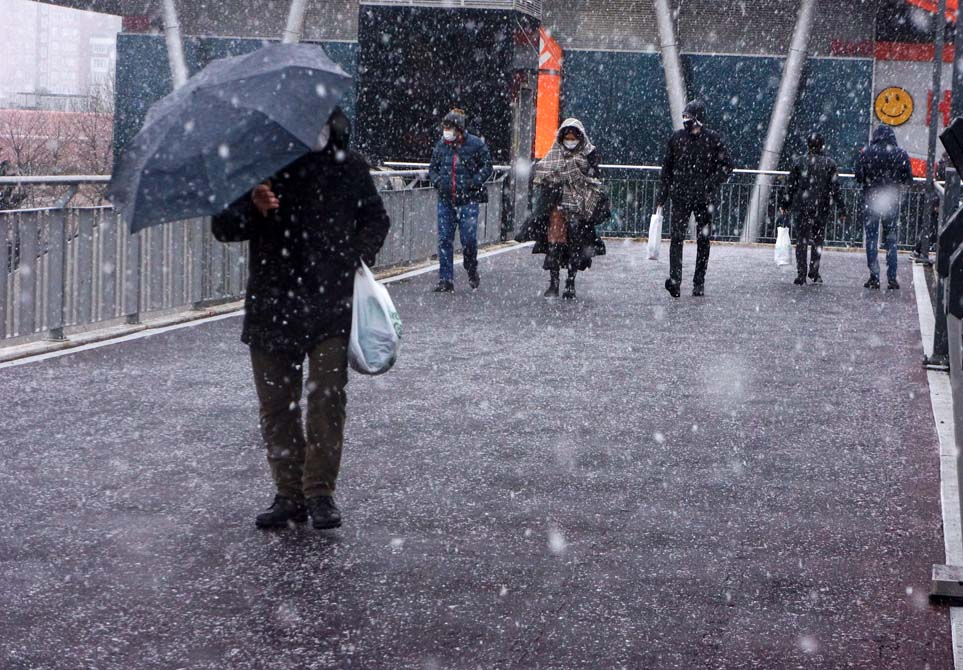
304 460
679 232
810 232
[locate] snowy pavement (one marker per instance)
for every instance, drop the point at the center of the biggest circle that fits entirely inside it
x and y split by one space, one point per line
748 480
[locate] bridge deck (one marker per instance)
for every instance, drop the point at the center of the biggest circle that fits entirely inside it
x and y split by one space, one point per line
749 480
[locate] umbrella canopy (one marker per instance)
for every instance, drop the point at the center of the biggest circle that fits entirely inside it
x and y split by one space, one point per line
232 125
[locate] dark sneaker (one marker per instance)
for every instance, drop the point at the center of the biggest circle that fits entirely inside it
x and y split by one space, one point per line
552 290
698 290
474 280
892 285
872 282
281 513
569 293
324 513
672 288
799 281
444 287
816 279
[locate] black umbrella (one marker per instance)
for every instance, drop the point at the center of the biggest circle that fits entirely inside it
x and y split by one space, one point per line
232 125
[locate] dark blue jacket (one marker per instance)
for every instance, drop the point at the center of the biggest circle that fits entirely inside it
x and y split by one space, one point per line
882 163
459 170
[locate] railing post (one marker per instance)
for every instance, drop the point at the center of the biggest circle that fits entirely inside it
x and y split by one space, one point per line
133 271
951 198
6 265
56 274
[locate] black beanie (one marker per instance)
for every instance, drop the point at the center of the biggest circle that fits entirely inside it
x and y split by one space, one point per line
456 117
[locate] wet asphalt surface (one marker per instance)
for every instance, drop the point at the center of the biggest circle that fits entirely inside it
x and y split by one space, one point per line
748 480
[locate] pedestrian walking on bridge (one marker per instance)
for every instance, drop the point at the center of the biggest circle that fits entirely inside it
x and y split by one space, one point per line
309 228
695 166
812 189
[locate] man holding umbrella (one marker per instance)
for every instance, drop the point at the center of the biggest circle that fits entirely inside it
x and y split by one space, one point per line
258 142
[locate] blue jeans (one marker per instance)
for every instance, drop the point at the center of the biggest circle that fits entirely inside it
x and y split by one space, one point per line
466 218
890 223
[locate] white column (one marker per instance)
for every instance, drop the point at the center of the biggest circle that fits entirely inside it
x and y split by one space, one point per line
175 45
781 115
295 25
674 83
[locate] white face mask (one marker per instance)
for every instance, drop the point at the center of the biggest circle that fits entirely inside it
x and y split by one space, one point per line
448 134
570 144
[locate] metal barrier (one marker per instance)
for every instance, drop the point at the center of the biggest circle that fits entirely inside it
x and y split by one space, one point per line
71 267
634 190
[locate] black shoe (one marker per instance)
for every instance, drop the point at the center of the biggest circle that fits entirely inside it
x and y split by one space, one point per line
672 288
799 281
872 282
569 293
474 280
281 513
816 279
698 290
444 287
892 285
552 290
324 513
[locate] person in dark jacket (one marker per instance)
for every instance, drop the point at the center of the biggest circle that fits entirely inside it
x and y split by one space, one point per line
882 168
460 166
695 166
309 227
812 189
570 203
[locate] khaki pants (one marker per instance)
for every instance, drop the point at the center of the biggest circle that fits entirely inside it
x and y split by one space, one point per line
304 460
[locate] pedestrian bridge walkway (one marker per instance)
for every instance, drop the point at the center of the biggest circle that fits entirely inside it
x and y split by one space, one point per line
748 480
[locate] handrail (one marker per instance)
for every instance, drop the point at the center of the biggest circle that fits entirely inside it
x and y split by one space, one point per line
85 180
406 164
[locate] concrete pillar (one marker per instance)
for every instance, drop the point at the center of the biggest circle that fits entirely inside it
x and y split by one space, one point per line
295 24
781 115
674 83
175 44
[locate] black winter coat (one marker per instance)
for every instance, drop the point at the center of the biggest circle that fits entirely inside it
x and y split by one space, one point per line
883 164
302 263
812 186
694 168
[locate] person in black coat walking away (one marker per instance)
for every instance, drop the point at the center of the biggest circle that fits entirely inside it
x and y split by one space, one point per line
308 228
460 166
882 168
570 203
695 166
811 191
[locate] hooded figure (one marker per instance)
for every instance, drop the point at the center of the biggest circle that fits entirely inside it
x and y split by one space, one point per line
570 203
812 189
695 166
882 168
308 229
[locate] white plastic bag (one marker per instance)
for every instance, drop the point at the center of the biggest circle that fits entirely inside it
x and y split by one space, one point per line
655 235
375 326
783 253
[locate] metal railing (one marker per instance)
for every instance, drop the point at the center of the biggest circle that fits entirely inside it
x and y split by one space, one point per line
634 190
65 267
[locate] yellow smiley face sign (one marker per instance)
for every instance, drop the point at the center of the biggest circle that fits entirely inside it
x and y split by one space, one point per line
894 106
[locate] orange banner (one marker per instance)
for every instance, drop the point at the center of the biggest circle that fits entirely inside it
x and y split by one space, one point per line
548 102
932 6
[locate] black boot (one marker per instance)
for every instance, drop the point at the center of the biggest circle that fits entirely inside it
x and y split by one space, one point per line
872 282
281 513
699 290
324 513
444 287
672 288
474 281
800 280
569 293
892 285
552 290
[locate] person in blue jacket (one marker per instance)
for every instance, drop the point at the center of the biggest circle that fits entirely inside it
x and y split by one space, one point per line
881 169
460 166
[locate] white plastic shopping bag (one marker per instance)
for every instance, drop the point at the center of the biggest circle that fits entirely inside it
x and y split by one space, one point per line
655 235
375 326
783 253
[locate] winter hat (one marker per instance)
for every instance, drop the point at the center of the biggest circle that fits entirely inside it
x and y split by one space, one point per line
456 118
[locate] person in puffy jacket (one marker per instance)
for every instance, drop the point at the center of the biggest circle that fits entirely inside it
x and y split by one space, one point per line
882 169
695 166
812 189
460 166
